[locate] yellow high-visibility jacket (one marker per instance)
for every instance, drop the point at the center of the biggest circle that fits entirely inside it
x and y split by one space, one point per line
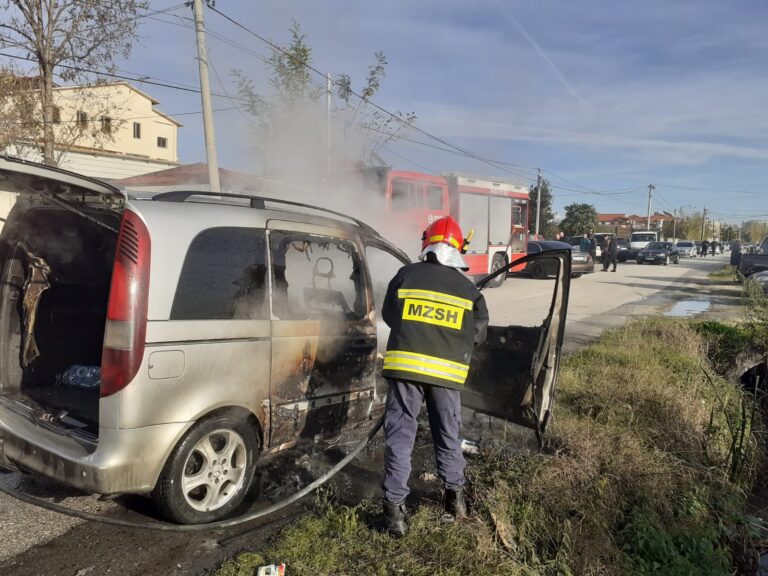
437 317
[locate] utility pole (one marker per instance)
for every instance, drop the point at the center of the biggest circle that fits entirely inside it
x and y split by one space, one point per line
328 123
674 224
538 202
651 188
205 93
703 224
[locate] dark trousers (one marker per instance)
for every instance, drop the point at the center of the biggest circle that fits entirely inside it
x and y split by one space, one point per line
444 411
609 259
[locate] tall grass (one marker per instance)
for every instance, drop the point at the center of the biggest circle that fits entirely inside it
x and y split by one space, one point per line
648 459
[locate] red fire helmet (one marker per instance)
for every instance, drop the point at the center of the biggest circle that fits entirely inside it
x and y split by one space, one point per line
445 230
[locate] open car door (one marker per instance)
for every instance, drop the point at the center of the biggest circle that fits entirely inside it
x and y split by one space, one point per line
514 373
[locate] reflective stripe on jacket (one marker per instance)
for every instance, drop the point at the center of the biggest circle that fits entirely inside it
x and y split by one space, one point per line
436 316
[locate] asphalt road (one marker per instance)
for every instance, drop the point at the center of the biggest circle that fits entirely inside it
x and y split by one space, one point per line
36 542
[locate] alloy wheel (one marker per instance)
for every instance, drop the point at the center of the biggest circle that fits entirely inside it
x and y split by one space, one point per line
215 470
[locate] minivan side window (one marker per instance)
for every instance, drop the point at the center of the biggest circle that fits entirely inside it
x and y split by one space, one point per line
224 277
315 277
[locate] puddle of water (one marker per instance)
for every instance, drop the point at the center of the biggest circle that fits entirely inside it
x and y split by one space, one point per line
687 308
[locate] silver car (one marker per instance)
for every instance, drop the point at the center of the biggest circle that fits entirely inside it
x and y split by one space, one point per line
686 249
162 345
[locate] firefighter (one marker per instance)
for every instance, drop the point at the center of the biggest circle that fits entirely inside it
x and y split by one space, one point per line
437 317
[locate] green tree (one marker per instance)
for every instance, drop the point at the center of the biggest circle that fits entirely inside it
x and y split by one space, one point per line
579 219
754 230
67 39
546 206
295 109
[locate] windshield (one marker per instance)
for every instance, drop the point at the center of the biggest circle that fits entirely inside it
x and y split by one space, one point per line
685 244
643 237
656 246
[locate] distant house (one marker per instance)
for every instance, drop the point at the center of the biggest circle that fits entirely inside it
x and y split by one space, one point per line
626 223
108 131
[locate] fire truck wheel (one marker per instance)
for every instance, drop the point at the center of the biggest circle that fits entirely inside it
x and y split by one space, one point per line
537 271
496 263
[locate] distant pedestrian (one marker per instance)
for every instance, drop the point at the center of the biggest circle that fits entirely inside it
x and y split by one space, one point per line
584 244
714 247
736 254
704 247
592 245
610 253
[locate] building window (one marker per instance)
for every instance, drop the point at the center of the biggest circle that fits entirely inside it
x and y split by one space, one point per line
82 119
162 142
137 129
56 113
106 124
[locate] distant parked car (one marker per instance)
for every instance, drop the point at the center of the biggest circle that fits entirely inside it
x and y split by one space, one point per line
687 249
581 262
658 253
625 250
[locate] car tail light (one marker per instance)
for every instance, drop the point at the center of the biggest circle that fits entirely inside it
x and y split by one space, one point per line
126 327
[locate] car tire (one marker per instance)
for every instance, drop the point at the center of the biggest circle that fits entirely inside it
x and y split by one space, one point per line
676 260
537 271
496 263
203 465
639 262
576 275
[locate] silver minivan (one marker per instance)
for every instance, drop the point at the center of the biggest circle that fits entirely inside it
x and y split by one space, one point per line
162 345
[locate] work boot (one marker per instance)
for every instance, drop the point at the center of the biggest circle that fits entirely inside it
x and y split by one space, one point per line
394 518
455 505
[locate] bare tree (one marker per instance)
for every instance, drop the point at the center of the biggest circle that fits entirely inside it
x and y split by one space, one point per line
68 40
20 121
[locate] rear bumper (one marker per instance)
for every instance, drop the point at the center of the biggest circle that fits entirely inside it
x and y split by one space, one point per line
652 259
123 461
582 267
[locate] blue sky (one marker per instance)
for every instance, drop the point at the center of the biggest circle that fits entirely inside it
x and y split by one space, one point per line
606 96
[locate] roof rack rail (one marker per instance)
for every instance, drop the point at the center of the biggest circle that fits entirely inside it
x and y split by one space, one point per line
256 202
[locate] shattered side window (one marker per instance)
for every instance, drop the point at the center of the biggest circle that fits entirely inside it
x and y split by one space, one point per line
224 277
382 266
315 277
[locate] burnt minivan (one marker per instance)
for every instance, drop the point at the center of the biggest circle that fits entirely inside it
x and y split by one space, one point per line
165 345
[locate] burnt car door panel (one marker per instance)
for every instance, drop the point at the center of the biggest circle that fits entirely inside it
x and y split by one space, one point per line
514 373
323 340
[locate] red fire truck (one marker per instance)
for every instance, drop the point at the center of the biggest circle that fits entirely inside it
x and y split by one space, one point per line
496 210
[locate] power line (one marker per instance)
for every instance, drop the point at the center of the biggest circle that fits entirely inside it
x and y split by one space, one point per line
139 80
367 101
721 190
412 162
104 24
127 118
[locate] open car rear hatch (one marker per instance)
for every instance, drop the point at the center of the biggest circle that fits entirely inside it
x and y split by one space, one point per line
58 186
